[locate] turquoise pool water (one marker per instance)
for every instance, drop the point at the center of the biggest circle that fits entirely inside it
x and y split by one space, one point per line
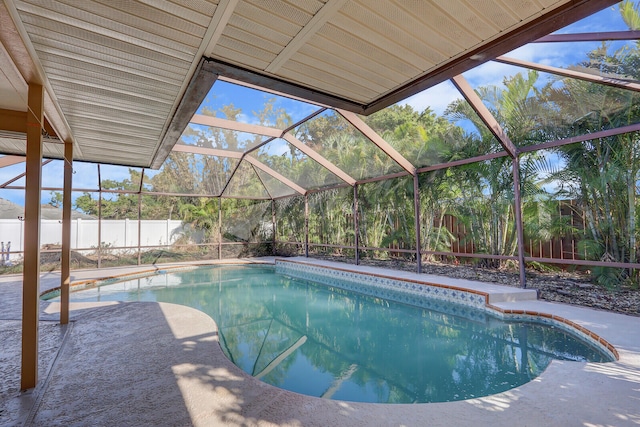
327 342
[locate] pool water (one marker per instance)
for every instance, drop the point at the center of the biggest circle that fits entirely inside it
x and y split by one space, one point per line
330 343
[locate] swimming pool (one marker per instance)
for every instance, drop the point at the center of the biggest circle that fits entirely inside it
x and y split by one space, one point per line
329 342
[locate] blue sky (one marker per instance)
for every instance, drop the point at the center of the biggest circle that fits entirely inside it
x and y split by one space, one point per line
85 177
252 101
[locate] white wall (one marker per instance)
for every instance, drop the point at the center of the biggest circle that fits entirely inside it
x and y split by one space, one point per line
84 233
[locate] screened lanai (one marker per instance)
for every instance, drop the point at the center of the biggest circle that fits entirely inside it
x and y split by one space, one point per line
330 129
258 171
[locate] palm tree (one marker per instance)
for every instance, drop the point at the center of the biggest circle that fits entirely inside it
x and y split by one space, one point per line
485 201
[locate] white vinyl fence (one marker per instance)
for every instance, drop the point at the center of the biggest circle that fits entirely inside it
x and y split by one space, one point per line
84 233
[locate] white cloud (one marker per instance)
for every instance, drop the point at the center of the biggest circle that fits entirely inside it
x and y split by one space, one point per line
554 54
535 52
489 74
244 118
277 147
437 98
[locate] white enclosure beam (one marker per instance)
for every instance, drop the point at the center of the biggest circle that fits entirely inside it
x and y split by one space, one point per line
608 81
286 181
485 115
377 140
320 159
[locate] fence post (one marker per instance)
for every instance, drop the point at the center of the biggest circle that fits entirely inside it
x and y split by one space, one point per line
79 234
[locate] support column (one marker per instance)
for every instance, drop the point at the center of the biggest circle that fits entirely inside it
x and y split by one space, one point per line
306 225
65 270
356 223
31 267
517 211
416 207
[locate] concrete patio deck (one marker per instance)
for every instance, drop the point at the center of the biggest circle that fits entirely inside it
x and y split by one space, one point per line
134 364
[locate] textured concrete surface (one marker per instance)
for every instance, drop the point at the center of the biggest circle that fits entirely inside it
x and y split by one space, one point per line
133 364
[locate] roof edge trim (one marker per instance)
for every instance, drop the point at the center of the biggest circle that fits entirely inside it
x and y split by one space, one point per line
283 87
542 26
198 88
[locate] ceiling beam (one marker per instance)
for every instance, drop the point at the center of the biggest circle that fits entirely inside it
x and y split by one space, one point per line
321 17
11 160
194 149
16 121
219 21
240 156
286 181
13 121
218 122
378 141
608 81
563 15
590 37
313 154
485 115
582 138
